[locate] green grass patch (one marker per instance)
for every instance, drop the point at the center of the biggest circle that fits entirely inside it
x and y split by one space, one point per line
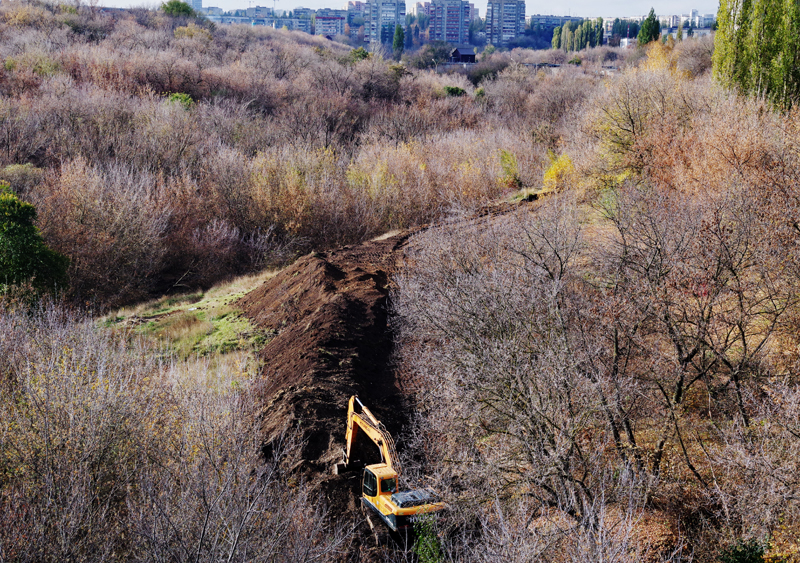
197 324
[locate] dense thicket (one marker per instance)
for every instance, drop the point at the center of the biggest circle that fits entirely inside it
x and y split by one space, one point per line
162 153
609 378
110 451
613 377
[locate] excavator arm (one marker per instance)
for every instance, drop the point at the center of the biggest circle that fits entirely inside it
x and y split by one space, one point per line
364 433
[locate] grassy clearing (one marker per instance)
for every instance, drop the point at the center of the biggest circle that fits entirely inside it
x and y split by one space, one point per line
199 327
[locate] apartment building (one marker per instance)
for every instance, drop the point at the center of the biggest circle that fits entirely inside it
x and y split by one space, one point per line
380 19
505 21
356 10
553 21
303 13
259 12
421 9
450 21
330 23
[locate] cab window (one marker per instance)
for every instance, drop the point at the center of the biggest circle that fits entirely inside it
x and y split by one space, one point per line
370 484
388 485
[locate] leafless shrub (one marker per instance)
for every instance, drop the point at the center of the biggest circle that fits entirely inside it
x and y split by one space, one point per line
111 223
103 457
659 336
215 497
758 480
694 55
75 408
494 323
22 177
528 355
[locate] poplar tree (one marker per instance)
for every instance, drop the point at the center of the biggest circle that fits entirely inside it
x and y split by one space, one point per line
757 48
730 64
556 42
598 32
586 35
566 37
399 41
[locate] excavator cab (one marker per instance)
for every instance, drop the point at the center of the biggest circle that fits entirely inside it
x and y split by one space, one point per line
371 484
379 482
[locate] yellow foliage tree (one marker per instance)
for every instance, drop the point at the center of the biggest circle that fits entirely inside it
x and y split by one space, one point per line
559 173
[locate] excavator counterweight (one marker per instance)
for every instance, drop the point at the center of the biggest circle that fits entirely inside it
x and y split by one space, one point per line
370 447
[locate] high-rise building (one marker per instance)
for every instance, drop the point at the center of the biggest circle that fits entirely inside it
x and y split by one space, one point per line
421 8
355 10
197 5
258 12
304 13
505 21
329 26
381 18
450 21
330 23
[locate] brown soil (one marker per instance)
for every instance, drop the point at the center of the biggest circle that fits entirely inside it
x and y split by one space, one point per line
329 312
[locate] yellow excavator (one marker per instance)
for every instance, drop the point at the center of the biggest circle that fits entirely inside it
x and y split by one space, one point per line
397 509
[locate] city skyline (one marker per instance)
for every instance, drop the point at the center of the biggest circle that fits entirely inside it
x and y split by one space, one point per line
581 8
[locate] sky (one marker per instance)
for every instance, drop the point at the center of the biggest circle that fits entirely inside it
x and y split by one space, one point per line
583 8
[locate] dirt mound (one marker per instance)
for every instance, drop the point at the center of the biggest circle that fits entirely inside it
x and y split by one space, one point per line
329 313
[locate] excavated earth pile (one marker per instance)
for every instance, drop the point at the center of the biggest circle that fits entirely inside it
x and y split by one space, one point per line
329 313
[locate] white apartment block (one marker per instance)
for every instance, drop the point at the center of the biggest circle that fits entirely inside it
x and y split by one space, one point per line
450 21
329 26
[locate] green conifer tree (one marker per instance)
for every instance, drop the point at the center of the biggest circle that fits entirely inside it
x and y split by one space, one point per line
24 256
399 41
650 29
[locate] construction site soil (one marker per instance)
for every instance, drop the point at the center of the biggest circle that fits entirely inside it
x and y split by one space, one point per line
329 312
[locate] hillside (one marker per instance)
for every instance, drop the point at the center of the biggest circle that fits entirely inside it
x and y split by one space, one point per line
572 294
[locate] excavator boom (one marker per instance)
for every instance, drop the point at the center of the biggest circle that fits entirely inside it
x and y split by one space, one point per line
363 429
